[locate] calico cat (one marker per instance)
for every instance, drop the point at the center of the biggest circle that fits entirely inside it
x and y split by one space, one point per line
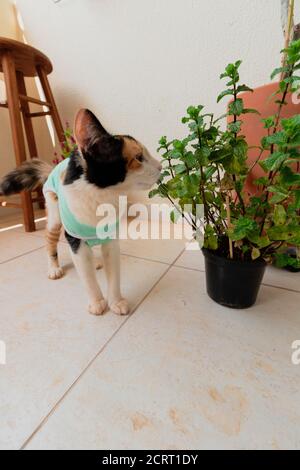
104 167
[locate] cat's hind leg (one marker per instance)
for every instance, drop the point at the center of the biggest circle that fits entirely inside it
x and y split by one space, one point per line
52 236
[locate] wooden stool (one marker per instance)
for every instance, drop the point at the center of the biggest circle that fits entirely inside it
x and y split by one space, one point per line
17 61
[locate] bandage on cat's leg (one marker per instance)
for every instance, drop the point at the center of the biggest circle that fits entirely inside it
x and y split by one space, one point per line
52 236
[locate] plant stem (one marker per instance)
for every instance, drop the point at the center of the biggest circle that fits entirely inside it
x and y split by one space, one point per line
169 162
190 222
235 137
288 32
201 188
202 191
229 225
171 168
256 161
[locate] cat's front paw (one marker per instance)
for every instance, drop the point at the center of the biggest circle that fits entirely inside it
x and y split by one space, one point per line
55 273
98 308
120 307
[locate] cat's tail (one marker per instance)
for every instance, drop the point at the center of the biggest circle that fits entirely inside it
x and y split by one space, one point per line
27 176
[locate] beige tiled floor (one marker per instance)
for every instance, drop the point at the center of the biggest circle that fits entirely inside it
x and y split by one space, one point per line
181 372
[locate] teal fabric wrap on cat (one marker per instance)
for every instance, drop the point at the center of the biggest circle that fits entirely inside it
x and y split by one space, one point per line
91 235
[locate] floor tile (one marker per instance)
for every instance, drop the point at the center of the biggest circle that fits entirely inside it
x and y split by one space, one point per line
14 244
49 336
40 229
193 259
165 251
8 219
282 278
186 373
165 248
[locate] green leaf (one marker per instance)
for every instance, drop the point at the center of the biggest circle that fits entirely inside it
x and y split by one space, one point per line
279 194
194 111
255 253
290 125
163 141
288 177
277 71
242 228
263 242
190 159
279 215
242 88
210 238
153 193
178 145
202 155
260 241
278 233
240 148
274 162
209 172
223 94
250 111
179 169
279 138
174 216
284 233
263 181
284 259
269 122
236 107
235 126
175 154
297 198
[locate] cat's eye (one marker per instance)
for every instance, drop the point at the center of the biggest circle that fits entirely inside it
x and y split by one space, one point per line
140 158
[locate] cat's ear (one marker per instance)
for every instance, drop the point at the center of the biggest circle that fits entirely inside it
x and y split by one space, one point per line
88 129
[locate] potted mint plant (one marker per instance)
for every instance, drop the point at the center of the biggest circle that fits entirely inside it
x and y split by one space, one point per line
242 231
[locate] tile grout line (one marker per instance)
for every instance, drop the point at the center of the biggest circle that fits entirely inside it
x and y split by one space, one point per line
23 254
91 362
263 283
148 259
281 288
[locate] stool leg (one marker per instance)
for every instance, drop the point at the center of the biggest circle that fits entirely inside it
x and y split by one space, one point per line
13 102
53 110
27 121
29 129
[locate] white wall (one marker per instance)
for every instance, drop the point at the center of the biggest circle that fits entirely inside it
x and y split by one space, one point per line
140 63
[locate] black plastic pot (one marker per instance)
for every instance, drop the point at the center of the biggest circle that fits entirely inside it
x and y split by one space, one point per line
234 284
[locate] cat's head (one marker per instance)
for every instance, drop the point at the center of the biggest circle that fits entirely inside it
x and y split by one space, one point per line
113 159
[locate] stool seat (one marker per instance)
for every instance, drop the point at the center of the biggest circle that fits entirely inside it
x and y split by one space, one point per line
27 59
